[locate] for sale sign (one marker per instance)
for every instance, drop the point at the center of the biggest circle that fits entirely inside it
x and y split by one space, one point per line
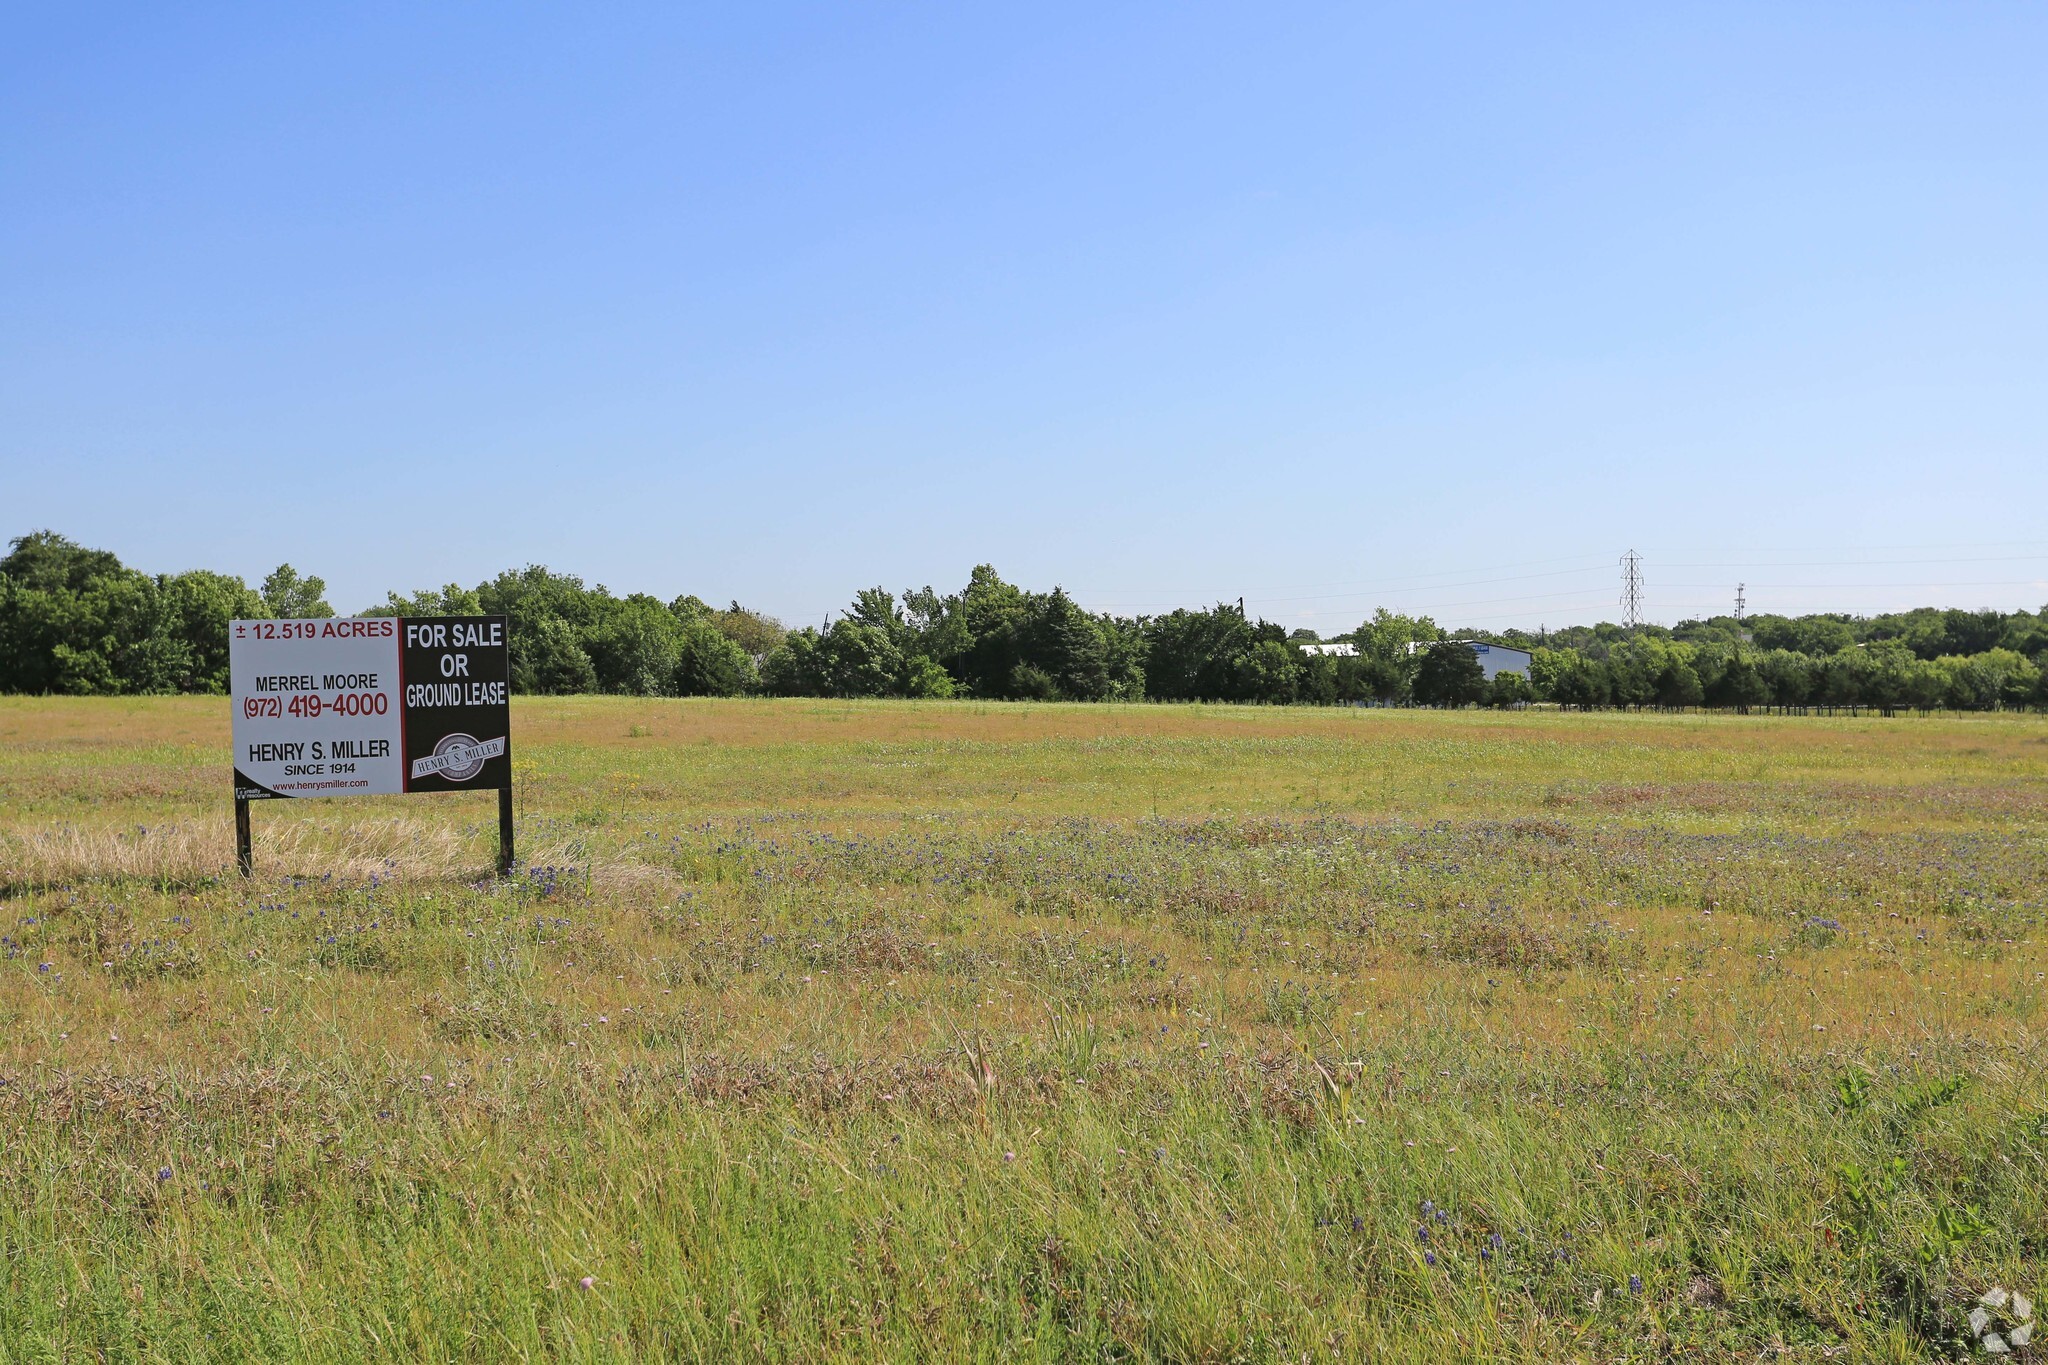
368 706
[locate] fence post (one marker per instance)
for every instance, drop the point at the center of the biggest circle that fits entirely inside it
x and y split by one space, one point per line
245 856
505 829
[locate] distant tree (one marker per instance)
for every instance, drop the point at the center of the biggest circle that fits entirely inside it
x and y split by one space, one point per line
78 621
451 600
1029 682
1842 679
1066 644
549 660
1387 665
197 608
526 595
989 612
709 663
1739 686
752 631
922 677
1509 689
1270 672
286 594
796 666
1678 682
1568 677
859 659
43 561
1633 667
636 647
1450 674
1316 679
1788 676
1195 655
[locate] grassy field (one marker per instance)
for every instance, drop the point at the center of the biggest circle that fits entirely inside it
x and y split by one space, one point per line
817 1031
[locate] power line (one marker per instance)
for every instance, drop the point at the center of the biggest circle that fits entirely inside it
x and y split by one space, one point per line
1359 586
1338 596
1855 563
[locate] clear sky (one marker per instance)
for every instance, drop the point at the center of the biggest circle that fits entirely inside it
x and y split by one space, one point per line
1436 306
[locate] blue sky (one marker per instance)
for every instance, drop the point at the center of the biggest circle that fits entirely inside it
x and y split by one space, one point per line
1440 307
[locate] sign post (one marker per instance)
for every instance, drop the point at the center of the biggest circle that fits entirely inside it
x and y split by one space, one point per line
371 706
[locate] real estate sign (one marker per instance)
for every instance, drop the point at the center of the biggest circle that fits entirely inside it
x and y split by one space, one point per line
370 705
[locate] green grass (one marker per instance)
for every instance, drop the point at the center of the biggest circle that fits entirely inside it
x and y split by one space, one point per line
966 1032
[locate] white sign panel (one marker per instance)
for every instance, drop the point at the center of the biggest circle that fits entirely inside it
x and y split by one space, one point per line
318 707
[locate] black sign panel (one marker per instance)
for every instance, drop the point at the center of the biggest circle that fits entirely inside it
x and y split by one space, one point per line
457 675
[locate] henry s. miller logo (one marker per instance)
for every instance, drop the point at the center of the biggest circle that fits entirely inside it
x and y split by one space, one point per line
458 757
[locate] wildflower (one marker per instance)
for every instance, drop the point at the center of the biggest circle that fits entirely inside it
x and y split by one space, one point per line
1429 1258
163 1175
1635 1284
587 1282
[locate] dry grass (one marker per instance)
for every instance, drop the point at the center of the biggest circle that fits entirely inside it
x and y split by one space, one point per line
947 1031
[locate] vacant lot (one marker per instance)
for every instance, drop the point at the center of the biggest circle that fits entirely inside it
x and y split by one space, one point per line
944 1031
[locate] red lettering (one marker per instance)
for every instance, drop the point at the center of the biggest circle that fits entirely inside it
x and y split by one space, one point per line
377 628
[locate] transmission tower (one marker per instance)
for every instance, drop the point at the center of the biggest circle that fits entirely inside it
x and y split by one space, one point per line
1631 590
1741 602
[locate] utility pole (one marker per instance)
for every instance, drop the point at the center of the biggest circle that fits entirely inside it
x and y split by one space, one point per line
1240 606
1631 590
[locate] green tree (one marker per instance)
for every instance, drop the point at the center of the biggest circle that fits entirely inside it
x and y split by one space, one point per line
1739 686
922 677
636 647
752 631
796 666
1678 683
1386 663
548 659
43 561
1065 643
860 659
1200 655
451 600
1568 678
197 607
1509 689
1790 677
1450 674
286 594
709 663
1269 671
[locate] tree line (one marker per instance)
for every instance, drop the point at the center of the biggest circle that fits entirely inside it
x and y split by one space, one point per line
76 620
